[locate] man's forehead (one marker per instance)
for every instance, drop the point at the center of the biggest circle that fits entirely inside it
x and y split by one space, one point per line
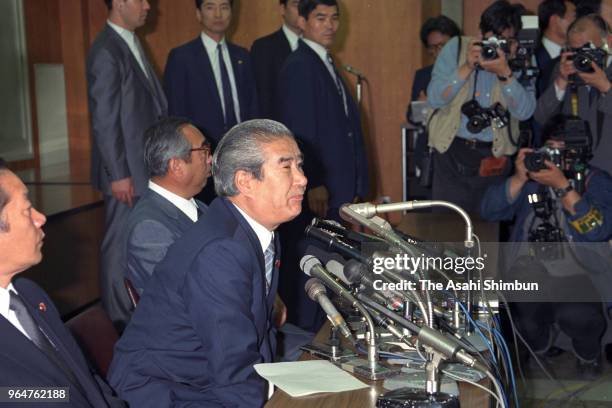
283 147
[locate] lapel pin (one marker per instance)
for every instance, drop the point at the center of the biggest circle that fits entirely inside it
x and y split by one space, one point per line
42 307
277 263
239 62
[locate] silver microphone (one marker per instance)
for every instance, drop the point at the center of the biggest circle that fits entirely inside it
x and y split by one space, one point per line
317 292
354 71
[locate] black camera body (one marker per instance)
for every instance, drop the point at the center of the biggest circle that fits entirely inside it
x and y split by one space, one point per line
490 45
544 238
574 157
587 54
480 118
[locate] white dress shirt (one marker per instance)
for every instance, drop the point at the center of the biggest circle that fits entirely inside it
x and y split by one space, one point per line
188 207
130 38
8 314
264 235
553 49
211 49
325 57
292 37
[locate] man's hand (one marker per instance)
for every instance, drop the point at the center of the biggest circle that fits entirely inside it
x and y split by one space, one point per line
279 315
498 66
471 60
123 190
552 176
521 175
597 79
566 68
318 199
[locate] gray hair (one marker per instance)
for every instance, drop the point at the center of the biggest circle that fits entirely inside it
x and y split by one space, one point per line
164 141
581 24
241 149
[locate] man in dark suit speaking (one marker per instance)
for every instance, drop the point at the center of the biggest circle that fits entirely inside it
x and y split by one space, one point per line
205 317
36 349
178 160
125 98
270 52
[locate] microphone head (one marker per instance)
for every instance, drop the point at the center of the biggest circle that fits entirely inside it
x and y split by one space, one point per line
307 263
313 287
336 268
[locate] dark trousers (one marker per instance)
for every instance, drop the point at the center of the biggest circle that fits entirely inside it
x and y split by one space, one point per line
583 322
114 296
456 175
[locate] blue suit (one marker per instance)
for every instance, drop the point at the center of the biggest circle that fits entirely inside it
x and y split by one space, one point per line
192 92
23 364
308 103
203 321
153 225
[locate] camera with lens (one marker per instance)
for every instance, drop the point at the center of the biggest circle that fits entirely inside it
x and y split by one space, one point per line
490 45
587 54
545 236
573 157
480 118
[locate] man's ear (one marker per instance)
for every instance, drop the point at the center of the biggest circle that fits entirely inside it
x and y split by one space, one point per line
175 167
301 23
244 182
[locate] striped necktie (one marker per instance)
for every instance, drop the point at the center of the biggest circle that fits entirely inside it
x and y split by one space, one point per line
228 96
269 262
338 82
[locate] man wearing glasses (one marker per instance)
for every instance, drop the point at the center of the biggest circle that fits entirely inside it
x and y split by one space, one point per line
178 161
471 77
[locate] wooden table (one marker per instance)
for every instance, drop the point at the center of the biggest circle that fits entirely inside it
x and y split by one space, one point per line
470 396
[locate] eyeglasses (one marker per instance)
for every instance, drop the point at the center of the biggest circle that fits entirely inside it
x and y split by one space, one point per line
206 148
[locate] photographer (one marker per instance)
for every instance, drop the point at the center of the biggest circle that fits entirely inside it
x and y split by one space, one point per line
552 205
478 103
584 71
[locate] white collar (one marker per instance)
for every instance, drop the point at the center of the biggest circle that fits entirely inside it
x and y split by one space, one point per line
264 235
318 48
188 207
292 37
553 49
210 44
5 299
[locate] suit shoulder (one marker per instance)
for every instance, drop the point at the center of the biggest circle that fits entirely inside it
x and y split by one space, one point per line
267 40
187 48
238 50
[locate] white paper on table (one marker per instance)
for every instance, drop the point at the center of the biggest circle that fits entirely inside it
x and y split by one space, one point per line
301 378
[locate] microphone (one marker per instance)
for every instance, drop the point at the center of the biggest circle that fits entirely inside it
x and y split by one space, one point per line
354 71
312 267
317 292
337 269
334 244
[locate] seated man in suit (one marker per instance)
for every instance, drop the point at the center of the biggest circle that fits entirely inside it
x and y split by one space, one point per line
178 159
210 80
205 318
36 349
270 52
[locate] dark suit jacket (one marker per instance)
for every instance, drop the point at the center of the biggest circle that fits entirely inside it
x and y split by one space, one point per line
269 54
153 225
192 92
203 321
123 103
308 102
546 65
593 107
422 77
23 364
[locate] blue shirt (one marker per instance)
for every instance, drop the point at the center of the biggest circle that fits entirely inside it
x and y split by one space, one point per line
445 84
